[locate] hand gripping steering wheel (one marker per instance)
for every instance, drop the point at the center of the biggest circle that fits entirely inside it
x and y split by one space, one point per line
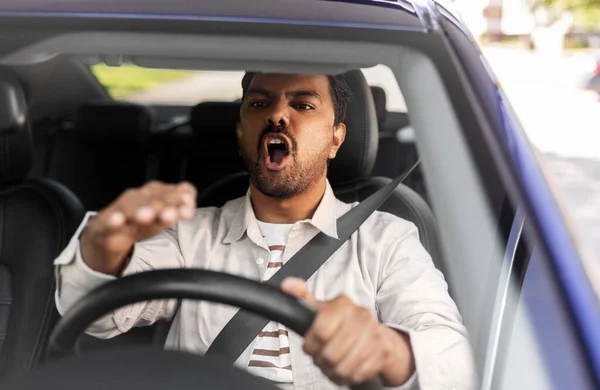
258 298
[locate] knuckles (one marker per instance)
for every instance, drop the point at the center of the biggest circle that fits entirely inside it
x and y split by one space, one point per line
342 309
344 306
342 373
156 190
359 377
329 359
323 331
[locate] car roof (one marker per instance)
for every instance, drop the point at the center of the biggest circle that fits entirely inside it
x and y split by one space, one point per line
38 20
417 14
383 12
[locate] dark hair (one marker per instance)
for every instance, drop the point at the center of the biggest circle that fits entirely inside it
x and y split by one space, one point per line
338 87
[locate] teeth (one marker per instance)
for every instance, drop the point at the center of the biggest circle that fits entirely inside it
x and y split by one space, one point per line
275 142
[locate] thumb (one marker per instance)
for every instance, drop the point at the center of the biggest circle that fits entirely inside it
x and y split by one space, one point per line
297 287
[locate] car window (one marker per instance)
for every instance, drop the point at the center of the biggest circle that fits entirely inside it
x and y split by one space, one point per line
167 86
537 333
188 87
525 338
382 76
481 230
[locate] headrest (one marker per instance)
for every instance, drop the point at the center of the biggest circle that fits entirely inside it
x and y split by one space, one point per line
214 116
380 101
356 157
16 147
113 121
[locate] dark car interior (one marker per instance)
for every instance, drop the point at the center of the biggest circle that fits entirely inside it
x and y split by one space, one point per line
37 207
53 170
103 137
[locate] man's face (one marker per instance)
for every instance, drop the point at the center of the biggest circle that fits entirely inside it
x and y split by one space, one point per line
286 132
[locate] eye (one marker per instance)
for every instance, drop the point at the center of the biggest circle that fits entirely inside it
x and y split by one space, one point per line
258 104
303 106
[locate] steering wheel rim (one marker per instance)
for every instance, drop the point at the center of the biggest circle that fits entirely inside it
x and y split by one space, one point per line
259 298
218 287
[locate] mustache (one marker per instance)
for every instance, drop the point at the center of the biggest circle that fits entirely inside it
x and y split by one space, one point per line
275 129
278 130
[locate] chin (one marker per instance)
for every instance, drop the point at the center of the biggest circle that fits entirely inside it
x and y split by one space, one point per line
277 192
277 188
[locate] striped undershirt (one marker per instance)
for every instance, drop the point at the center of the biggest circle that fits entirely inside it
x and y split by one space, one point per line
271 355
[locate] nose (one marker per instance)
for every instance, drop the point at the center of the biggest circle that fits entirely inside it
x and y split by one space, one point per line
278 116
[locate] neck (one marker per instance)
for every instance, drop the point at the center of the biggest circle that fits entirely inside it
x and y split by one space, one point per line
290 210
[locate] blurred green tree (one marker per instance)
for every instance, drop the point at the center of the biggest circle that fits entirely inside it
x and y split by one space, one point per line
586 12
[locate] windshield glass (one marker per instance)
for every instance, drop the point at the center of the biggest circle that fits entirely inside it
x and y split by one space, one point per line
137 84
167 158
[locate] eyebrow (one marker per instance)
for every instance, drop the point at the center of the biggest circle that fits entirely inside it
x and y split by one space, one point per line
289 94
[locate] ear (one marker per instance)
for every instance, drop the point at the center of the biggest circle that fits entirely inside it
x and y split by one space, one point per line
339 135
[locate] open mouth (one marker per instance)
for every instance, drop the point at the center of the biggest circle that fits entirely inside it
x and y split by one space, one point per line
277 150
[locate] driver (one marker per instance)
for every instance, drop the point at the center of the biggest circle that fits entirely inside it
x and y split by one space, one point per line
382 307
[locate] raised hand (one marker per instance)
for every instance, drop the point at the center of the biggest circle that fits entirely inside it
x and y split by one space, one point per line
136 215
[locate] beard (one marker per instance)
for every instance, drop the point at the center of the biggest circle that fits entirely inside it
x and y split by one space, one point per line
297 176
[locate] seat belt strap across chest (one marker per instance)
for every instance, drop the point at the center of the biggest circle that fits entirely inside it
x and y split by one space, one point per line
244 327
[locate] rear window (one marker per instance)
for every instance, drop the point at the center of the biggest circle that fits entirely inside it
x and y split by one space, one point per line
188 87
128 80
167 86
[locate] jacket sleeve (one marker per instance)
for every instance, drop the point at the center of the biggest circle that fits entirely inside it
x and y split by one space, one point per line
74 279
413 297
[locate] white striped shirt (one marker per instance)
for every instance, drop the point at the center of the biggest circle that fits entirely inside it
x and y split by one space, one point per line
271 354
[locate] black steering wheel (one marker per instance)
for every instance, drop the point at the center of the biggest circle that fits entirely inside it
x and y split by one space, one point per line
258 298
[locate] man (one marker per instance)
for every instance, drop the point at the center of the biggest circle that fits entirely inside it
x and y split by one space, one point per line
383 309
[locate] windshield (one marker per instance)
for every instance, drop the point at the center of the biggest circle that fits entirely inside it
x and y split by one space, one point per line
236 172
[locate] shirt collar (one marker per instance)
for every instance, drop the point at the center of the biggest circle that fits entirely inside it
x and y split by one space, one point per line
324 218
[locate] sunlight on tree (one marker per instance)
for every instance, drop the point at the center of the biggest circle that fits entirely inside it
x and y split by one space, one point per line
585 12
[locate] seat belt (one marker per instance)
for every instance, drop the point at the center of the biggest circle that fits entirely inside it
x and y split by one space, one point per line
244 327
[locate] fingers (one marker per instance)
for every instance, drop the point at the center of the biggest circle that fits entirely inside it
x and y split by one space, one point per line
297 287
340 344
328 322
116 220
155 202
159 207
136 215
365 369
362 348
153 207
348 343
158 202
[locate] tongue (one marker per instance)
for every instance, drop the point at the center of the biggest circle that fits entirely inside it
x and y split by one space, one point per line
277 155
